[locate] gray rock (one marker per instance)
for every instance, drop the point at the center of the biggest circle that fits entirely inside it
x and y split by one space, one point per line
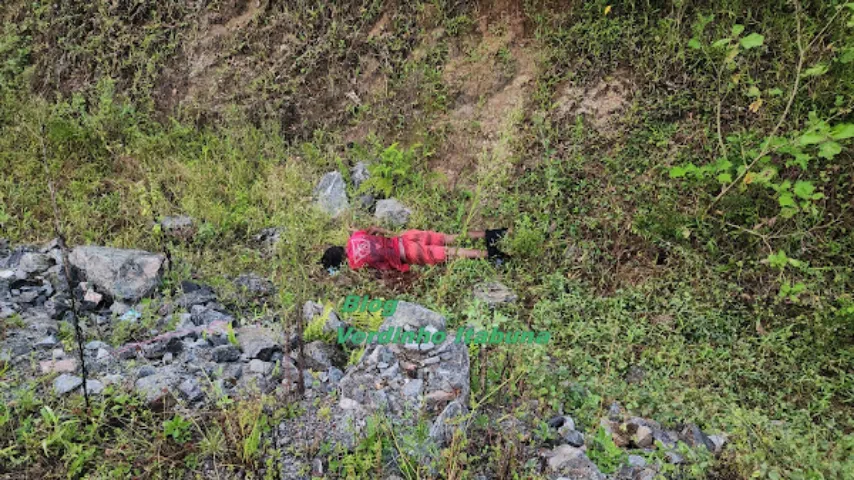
331 194
615 412
443 428
167 358
260 367
47 342
322 356
95 345
145 371
66 383
366 201
32 262
112 379
156 389
574 438
311 310
207 315
412 388
643 437
119 308
191 390
254 285
359 174
269 237
178 227
719 441
125 274
94 387
673 457
392 212
636 461
694 437
258 342
335 375
103 354
572 463
494 293
225 353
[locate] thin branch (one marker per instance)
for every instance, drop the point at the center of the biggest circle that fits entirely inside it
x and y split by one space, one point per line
78 333
767 148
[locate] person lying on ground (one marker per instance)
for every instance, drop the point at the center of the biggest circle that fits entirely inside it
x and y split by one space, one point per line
378 248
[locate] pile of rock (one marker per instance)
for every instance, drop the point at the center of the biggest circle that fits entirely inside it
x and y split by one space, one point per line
636 434
398 380
331 197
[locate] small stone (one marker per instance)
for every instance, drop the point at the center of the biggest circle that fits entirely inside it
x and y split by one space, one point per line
258 343
112 379
413 388
93 297
260 366
167 358
57 354
359 173
191 390
34 262
574 438
673 457
103 354
69 365
615 412
392 212
643 437
442 430
331 194
179 227
719 441
335 375
145 371
225 353
47 342
66 383
494 293
94 387
95 345
119 308
637 461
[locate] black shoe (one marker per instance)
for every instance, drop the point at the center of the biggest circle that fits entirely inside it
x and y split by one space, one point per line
492 238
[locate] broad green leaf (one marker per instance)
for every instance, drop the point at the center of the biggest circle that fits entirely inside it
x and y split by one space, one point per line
721 43
694 44
737 29
725 177
752 41
811 138
801 160
803 189
842 131
778 260
815 71
846 55
678 171
753 91
775 92
786 200
829 150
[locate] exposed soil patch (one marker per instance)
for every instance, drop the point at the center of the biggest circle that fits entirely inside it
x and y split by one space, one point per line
600 103
489 76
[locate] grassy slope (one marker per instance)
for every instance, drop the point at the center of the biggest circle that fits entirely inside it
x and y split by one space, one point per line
618 260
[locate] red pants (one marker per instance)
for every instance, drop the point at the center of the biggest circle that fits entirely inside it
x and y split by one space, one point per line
423 247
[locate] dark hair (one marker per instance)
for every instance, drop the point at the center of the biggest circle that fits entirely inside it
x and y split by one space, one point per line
333 257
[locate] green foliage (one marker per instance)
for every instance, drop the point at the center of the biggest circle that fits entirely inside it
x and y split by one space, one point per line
605 453
394 171
178 428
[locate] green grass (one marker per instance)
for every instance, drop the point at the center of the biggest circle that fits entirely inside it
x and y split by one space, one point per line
625 265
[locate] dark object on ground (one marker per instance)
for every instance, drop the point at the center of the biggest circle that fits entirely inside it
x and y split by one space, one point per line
333 257
492 238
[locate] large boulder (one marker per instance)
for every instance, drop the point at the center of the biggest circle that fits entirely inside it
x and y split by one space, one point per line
331 194
127 275
566 461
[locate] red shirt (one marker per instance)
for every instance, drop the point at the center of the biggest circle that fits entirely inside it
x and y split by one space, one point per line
379 252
